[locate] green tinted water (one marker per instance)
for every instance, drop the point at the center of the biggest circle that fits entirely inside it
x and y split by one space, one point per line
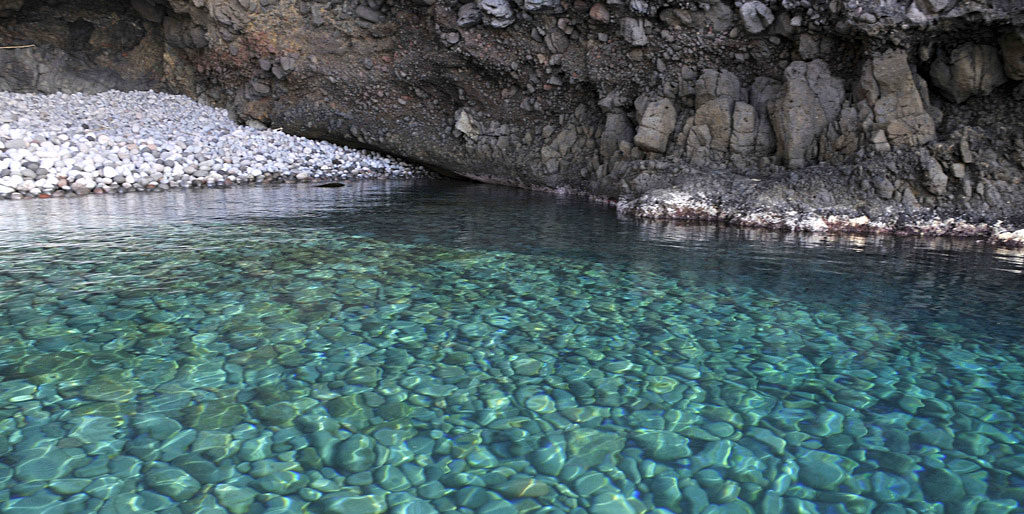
426 347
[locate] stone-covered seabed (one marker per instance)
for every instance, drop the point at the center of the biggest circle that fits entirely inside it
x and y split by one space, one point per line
223 359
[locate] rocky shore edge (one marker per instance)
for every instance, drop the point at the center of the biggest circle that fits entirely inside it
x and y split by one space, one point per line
670 204
115 142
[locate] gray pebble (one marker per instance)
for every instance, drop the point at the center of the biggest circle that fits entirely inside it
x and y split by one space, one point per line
173 482
236 500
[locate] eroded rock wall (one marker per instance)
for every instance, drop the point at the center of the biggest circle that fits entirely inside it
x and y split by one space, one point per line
78 46
880 108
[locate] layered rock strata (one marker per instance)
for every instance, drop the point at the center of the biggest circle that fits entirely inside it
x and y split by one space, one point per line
852 108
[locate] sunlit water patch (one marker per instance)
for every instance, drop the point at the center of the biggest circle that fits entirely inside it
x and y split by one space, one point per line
426 347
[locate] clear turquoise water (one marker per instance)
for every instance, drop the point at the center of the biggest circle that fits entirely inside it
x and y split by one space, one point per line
438 347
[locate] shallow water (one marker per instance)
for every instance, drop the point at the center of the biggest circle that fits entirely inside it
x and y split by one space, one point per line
426 347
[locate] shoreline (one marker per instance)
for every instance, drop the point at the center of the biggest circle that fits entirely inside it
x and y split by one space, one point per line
669 206
673 205
327 181
60 144
121 142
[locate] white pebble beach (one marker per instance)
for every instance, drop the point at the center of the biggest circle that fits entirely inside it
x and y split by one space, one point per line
51 145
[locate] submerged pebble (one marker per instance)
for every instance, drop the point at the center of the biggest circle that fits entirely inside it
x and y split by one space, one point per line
256 366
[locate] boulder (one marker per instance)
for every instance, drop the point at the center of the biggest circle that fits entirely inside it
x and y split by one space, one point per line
686 85
809 46
717 116
848 139
756 16
970 70
1012 44
656 125
235 15
916 16
725 127
810 101
561 145
599 12
465 124
934 178
814 46
763 92
743 139
614 101
698 143
633 31
715 83
469 15
617 128
541 5
497 13
887 85
715 14
368 14
931 6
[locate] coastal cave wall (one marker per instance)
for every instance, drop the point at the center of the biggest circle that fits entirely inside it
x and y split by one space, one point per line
880 108
78 46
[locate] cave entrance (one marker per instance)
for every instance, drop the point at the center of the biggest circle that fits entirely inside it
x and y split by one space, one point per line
74 46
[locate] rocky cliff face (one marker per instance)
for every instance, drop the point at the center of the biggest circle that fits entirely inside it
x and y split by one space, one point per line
857 107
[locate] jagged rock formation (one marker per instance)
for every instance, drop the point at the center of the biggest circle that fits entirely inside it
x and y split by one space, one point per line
971 70
876 108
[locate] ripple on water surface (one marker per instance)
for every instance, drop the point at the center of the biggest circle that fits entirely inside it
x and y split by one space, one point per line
430 347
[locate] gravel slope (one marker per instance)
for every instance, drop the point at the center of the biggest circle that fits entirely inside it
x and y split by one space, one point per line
132 141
